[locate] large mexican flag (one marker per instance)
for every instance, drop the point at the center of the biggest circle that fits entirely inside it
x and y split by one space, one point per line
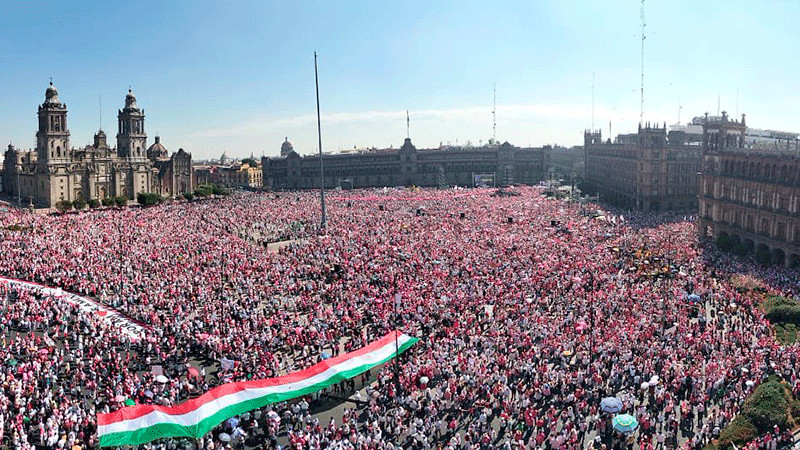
196 417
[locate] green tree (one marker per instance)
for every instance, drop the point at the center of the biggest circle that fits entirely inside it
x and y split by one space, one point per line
149 198
108 201
79 204
768 405
120 201
204 190
220 190
739 432
63 206
94 203
188 196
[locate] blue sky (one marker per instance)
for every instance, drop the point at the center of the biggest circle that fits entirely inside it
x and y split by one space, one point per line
238 76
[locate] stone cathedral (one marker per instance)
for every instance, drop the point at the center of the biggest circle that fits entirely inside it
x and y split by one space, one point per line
55 172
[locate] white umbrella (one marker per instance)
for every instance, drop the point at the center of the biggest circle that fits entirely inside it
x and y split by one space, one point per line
645 385
224 437
162 379
423 380
654 379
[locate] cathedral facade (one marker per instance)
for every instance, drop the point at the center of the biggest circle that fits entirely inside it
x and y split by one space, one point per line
54 171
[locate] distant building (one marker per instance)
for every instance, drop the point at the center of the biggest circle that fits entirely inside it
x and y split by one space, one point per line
750 191
568 163
649 170
407 166
240 175
54 171
175 173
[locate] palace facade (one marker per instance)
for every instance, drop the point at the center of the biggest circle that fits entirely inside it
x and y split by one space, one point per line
750 196
54 171
497 165
649 170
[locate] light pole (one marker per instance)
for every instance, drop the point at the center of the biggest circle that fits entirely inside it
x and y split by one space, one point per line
397 297
19 194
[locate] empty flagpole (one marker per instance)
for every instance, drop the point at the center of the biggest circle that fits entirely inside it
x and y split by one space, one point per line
323 221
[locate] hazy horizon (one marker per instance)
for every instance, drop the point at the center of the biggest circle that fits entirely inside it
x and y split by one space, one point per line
238 78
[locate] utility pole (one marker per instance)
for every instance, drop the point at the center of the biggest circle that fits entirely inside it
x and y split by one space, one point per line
323 221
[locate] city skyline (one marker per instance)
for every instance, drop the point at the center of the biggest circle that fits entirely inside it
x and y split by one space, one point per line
239 79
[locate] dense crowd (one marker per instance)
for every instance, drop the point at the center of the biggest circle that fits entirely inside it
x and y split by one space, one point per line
530 311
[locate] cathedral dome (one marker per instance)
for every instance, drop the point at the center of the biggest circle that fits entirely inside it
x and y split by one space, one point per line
157 150
286 147
51 94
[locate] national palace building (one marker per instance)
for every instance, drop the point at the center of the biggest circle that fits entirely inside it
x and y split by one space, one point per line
54 171
495 165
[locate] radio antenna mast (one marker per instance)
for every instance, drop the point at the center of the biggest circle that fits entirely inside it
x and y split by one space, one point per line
494 114
592 101
641 105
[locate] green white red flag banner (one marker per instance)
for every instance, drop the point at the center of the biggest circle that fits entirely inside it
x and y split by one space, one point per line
194 418
131 329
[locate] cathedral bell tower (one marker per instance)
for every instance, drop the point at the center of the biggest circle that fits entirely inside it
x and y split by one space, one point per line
131 137
52 139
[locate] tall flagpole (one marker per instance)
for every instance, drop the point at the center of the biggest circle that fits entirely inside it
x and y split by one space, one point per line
323 222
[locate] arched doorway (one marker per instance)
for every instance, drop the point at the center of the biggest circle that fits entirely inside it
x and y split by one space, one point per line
778 257
749 245
763 254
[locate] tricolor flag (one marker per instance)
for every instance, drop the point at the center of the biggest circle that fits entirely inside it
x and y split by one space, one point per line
194 418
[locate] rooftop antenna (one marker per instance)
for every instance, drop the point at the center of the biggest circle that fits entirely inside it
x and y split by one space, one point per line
408 126
592 101
494 114
641 104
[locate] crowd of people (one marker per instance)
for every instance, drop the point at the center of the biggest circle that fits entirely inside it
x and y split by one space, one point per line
529 310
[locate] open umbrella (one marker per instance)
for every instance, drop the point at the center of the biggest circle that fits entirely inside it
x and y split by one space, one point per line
224 437
162 379
148 393
625 423
694 298
611 405
325 355
129 402
233 422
